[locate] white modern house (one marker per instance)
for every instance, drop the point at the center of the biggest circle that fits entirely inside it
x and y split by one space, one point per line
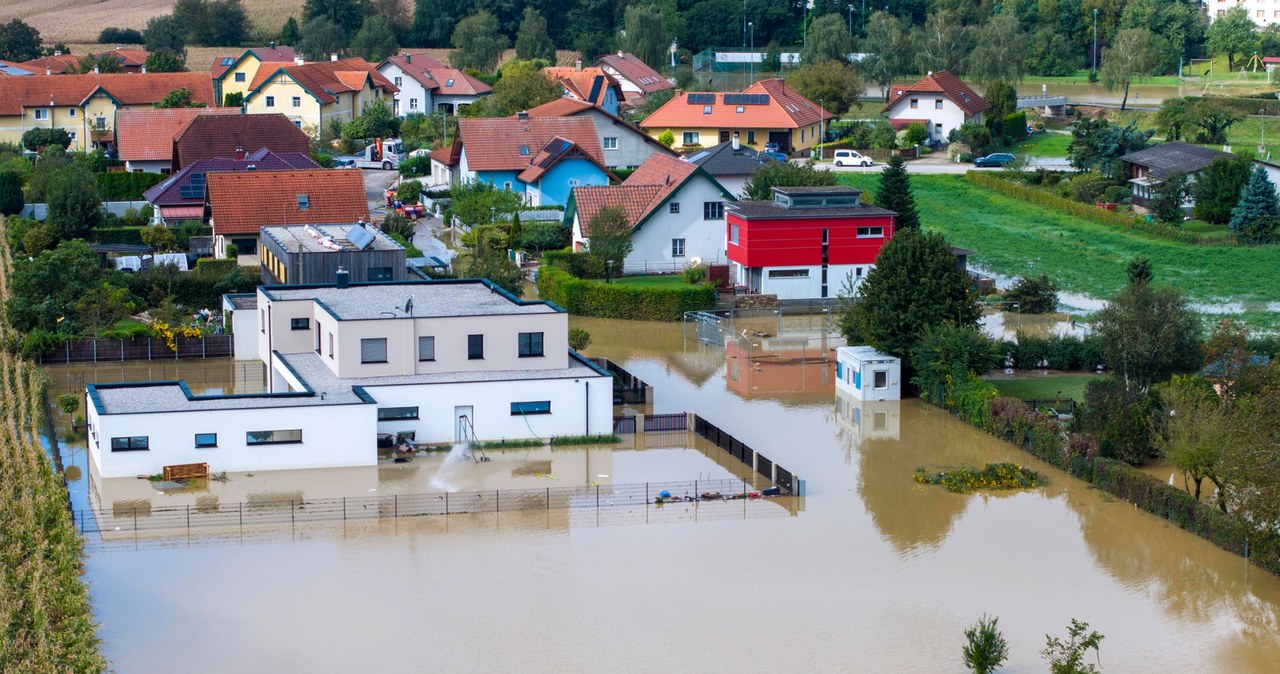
676 211
940 101
866 374
427 85
431 362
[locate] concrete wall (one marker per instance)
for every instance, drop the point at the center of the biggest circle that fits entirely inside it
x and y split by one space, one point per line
633 146
800 287
941 120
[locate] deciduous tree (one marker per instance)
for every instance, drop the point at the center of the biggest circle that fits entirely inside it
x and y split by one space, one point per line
107 63
532 40
1167 199
1033 294
348 14
1127 59
646 35
179 98
1218 187
828 40
889 51
1197 430
320 38
523 86
47 290
985 648
832 84
19 41
894 193
477 43
165 32
1148 334
165 61
943 43
1002 56
1232 34
1067 657
434 20
375 41
760 185
609 239
75 203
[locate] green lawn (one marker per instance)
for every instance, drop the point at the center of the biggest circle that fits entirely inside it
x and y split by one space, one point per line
1013 238
1042 144
1053 386
659 281
1205 228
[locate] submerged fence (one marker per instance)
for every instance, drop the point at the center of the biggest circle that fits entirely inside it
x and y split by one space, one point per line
785 479
142 348
628 389
144 517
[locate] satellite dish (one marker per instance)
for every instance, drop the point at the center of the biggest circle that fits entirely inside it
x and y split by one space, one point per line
408 306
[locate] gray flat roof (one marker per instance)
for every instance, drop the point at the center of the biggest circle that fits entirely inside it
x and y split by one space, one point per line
431 299
298 238
242 300
311 368
771 210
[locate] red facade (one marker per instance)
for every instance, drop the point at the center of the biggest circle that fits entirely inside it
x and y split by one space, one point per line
797 241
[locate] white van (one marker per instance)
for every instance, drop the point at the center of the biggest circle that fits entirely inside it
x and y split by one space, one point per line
851 158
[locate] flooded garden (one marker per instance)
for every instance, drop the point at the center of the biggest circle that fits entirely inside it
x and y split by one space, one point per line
870 571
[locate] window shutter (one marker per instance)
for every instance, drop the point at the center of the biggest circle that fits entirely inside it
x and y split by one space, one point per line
373 350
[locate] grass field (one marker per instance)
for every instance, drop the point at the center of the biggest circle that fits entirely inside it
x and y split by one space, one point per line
1042 145
1013 238
81 21
1048 386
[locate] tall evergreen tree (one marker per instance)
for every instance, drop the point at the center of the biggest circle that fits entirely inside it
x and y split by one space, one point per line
433 21
532 40
290 34
894 194
375 41
1257 215
10 193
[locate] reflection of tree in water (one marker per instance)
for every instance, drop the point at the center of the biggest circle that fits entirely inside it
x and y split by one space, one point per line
1190 578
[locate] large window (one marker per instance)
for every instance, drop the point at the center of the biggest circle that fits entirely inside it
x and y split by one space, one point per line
42 113
426 348
136 443
530 344
788 273
379 274
397 413
871 232
713 210
273 437
206 439
677 248
610 142
690 138
475 347
373 350
538 407
299 323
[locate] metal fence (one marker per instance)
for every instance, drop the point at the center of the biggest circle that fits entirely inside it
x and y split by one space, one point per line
785 479
1059 405
628 389
142 348
297 511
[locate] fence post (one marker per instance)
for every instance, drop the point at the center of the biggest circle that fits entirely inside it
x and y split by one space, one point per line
548 498
95 349
121 350
344 509
395 500
240 507
148 349
497 500
597 496
646 493
135 519
291 516
446 503
188 519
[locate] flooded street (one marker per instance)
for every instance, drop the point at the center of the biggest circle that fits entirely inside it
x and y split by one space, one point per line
870 572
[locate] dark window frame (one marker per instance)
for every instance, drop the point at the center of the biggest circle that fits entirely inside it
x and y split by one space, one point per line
472 352
519 409
384 413
713 210
526 341
248 437
206 444
299 323
384 350
433 348
130 443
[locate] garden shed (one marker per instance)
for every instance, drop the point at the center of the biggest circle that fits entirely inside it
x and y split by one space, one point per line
867 374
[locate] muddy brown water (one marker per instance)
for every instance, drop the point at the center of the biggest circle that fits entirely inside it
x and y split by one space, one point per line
874 573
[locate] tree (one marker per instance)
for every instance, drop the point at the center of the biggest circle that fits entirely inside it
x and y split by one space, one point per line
759 187
532 40
609 239
1139 271
321 37
159 237
1067 657
646 35
46 290
434 20
75 203
1098 144
832 84
943 43
915 284
1148 334
375 41
347 14
1033 294
985 647
1218 187
1002 98
165 61
1232 34
977 136
1213 119
120 36
1249 463
19 41
828 40
165 32
1003 55
290 33
178 98
946 354
489 263
1128 58
889 53
477 203
1197 430
667 138
1169 196
226 24
1257 215
107 63
10 193
102 307
1175 115
894 194
579 338
41 137
477 43
523 86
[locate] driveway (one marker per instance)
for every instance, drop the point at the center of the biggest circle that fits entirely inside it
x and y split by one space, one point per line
427 234
375 184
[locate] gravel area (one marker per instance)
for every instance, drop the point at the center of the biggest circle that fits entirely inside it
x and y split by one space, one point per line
430 300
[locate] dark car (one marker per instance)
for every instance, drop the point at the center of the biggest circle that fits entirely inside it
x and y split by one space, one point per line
997 160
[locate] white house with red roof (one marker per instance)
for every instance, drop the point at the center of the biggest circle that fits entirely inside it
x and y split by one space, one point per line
676 211
766 112
624 144
427 85
940 101
634 76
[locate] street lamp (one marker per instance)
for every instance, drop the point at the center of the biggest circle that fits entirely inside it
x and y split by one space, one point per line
1095 40
744 23
751 56
850 8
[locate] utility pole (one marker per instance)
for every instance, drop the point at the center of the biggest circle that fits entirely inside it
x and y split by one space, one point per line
751 77
1095 41
850 8
744 23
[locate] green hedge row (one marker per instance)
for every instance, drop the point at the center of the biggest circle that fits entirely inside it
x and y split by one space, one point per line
1087 211
576 264
610 300
123 186
130 235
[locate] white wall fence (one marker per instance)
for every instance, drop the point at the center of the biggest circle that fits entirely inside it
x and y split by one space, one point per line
41 211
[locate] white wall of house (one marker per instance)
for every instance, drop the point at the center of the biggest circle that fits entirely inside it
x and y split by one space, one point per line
149 165
412 97
798 282
943 113
624 146
866 374
737 185
244 334
332 436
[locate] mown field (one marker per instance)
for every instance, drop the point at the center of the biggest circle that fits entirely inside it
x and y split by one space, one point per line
1014 238
80 20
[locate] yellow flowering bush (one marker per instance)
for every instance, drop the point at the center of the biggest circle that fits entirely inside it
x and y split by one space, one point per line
991 476
170 334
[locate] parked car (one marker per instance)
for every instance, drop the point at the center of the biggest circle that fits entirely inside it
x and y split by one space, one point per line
344 163
996 159
851 158
774 155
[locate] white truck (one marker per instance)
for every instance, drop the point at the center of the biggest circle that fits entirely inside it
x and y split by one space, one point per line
381 154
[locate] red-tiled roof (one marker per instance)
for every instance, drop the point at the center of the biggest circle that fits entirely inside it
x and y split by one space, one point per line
325 79
585 84
446 155
129 58
556 150
947 84
438 77
242 202
54 65
494 144
173 189
561 107
129 89
279 54
148 134
462 83
636 72
785 109
209 136
640 194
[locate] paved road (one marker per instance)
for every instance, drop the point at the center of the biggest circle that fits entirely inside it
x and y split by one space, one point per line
940 165
425 231
375 183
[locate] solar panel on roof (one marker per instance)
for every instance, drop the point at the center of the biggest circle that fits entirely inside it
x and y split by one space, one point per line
554 149
360 237
701 99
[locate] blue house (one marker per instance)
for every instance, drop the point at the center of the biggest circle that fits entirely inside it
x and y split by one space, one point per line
541 158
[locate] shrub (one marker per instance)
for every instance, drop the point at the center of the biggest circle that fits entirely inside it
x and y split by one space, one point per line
121 186
415 166
611 300
540 236
985 647
208 267
232 251
579 339
39 137
576 264
990 476
695 274
396 224
40 342
112 35
129 235
10 193
1034 295
408 191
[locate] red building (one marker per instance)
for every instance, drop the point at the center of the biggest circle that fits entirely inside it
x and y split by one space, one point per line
805 242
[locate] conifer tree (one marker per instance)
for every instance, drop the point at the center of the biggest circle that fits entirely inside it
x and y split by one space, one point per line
1257 214
895 194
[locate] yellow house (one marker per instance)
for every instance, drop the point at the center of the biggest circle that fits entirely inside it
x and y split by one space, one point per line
767 112
85 106
235 74
312 94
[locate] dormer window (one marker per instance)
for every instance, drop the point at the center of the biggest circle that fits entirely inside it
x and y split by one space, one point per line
304 202
227 61
449 83
740 109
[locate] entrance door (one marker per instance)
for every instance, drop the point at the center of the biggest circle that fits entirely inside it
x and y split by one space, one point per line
463 424
783 139
724 136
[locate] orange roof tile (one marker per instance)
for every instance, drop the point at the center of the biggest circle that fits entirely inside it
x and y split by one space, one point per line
561 107
640 194
636 72
495 144
54 65
242 202
129 89
586 84
129 58
278 54
148 133
325 79
462 83
784 109
945 83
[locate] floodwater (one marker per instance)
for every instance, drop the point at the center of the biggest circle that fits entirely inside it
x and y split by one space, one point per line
873 573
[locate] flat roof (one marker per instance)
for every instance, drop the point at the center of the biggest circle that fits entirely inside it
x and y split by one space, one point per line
242 300
300 238
431 299
837 190
772 211
312 369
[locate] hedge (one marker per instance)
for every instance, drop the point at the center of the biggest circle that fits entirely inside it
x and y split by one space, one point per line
1087 211
610 300
576 264
122 186
209 267
130 235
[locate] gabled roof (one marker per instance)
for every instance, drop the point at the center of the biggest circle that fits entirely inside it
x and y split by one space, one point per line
11 69
947 84
568 107
641 194
585 84
209 136
129 58
325 79
1168 159
127 89
723 160
552 153
510 144
636 72
436 76
147 134
274 54
56 65
177 189
767 104
242 202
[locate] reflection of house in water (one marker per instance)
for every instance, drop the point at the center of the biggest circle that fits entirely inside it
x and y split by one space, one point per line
869 419
764 367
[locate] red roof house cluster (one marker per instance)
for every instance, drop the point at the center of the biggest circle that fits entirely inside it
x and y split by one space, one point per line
241 202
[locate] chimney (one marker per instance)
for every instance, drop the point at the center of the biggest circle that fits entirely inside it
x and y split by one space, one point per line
95 70
240 154
342 279
736 145
620 55
333 56
577 65
408 58
298 60
48 70
523 115
144 69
